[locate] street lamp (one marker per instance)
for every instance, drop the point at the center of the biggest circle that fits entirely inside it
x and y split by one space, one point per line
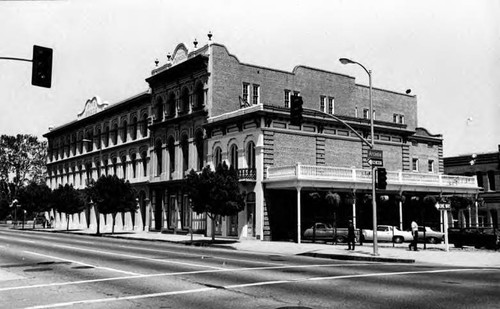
372 144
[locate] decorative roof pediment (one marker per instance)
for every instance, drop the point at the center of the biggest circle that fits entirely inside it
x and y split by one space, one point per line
180 54
92 106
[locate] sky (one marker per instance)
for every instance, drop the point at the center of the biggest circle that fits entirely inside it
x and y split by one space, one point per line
446 52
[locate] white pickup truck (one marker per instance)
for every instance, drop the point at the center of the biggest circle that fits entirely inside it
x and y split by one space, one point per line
388 233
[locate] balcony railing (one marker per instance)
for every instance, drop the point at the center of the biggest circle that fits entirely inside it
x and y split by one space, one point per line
300 171
247 174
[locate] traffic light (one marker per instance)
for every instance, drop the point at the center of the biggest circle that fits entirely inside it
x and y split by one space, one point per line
296 110
41 73
381 178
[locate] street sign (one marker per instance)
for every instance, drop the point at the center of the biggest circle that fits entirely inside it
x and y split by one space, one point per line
375 157
443 206
375 162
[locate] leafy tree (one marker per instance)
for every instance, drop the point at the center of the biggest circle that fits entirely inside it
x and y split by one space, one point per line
35 198
215 193
68 200
111 195
22 159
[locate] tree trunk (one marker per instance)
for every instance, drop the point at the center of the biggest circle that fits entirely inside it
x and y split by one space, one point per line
98 221
213 227
113 222
67 222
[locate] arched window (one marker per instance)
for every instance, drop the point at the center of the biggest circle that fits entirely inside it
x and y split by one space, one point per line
199 149
491 180
133 133
184 108
200 96
98 138
250 155
217 157
159 158
106 167
106 136
98 168
479 176
89 141
88 171
171 105
133 164
124 167
144 158
124 131
115 133
185 153
144 125
159 109
114 163
171 155
234 156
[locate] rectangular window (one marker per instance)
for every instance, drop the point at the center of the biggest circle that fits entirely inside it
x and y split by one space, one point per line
402 119
255 94
331 105
287 98
356 112
430 166
374 114
246 90
322 103
414 164
395 118
366 113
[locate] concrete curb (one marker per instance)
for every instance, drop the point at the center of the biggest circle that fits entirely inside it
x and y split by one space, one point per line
356 257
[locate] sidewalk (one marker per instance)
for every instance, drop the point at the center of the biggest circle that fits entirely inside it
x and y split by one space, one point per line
399 253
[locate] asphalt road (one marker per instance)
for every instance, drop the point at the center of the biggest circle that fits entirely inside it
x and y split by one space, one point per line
51 270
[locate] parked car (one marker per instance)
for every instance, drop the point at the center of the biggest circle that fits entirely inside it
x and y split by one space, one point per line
477 237
326 232
431 236
388 233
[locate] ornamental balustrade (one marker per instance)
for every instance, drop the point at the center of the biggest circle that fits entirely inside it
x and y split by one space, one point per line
300 171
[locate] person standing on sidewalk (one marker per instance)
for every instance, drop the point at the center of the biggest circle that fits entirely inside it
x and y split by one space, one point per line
351 237
414 232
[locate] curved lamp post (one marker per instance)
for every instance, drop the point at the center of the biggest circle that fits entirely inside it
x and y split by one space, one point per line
372 144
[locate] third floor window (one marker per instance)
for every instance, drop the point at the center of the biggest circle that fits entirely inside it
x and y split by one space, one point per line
255 94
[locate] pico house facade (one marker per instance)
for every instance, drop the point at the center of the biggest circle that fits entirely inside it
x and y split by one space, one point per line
205 106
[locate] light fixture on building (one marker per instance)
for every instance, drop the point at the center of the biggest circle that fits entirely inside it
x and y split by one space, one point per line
473 161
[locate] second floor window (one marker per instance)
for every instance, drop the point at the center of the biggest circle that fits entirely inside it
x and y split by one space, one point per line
246 90
234 157
366 113
322 103
414 164
287 98
331 105
217 159
255 94
250 155
430 166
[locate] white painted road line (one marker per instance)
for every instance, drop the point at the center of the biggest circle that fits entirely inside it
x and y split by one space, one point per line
238 286
84 264
200 255
194 272
137 257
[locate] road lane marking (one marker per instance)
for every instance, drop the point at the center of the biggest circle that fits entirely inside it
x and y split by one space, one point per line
229 287
138 257
198 255
194 272
85 264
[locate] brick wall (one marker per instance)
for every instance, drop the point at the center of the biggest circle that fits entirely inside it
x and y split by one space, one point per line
292 148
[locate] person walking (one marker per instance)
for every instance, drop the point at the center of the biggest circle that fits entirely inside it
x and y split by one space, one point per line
351 237
414 232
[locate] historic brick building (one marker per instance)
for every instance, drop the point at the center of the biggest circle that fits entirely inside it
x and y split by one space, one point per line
205 106
486 168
